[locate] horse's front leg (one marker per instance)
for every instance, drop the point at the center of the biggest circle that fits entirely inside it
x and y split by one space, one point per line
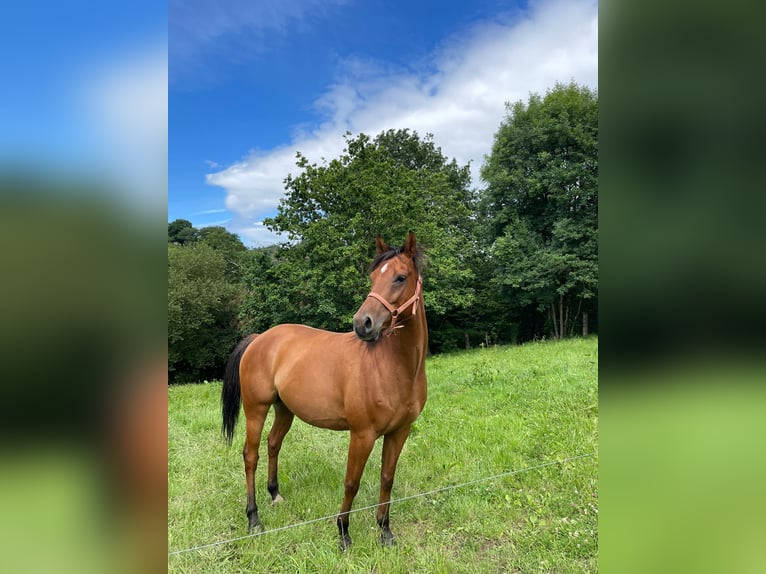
359 448
392 447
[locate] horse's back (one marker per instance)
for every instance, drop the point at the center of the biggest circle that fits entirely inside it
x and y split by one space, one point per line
285 345
288 340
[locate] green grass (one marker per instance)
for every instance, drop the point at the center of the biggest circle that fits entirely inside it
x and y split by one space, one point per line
489 411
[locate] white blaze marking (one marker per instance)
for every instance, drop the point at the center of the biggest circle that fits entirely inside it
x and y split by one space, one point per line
383 270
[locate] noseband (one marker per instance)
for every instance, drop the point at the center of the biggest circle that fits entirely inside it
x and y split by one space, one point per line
396 312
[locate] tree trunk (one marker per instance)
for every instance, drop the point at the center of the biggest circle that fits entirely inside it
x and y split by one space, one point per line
561 317
574 320
584 323
553 318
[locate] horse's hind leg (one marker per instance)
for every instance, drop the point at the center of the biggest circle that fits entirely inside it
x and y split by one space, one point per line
255 420
283 419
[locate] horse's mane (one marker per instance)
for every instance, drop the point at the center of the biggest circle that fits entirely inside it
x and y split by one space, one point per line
386 255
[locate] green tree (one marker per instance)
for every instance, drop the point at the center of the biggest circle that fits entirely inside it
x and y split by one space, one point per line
202 312
540 207
227 244
332 212
182 232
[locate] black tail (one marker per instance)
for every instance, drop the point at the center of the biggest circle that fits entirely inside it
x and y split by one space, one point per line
231 398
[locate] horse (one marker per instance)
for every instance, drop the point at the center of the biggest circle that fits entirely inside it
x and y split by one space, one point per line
370 382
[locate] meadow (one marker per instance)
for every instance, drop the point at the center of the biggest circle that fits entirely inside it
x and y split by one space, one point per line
490 411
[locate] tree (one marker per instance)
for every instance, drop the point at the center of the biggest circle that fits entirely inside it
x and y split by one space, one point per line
202 312
227 244
182 232
332 212
541 206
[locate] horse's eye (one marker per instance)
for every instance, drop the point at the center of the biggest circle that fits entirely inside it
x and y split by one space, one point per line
400 278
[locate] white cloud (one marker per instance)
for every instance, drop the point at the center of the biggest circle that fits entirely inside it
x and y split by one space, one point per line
202 30
255 234
125 97
221 222
460 100
210 211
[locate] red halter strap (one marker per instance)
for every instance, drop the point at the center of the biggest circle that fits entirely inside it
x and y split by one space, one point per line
396 312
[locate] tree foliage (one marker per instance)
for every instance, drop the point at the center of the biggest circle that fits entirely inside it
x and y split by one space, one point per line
229 246
202 312
541 206
182 232
388 185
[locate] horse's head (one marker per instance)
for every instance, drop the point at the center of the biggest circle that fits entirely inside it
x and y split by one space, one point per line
395 292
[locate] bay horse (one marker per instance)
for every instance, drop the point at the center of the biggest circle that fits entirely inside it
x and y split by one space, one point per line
371 382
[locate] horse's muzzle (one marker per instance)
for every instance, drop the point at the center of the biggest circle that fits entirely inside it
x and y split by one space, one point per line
365 328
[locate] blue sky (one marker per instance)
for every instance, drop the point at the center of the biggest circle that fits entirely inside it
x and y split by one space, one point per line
85 94
250 83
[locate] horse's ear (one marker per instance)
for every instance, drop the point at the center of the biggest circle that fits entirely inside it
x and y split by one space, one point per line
410 245
380 245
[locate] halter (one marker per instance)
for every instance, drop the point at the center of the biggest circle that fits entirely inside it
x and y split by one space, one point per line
396 312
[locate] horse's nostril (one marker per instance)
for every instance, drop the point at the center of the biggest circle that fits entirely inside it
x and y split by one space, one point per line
367 323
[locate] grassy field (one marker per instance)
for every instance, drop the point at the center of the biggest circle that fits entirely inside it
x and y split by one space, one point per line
489 411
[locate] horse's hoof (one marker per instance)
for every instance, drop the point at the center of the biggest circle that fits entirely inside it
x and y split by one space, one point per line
276 500
387 539
345 542
255 526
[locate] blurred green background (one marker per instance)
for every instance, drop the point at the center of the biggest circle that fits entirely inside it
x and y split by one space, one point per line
682 277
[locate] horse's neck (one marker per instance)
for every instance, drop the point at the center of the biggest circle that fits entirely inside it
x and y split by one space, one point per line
412 343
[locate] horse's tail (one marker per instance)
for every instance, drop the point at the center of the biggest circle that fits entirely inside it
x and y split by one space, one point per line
231 397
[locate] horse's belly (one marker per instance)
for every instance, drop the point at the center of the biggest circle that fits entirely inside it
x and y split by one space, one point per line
314 405
332 423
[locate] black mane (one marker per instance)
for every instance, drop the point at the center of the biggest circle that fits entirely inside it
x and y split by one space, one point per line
386 255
